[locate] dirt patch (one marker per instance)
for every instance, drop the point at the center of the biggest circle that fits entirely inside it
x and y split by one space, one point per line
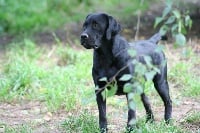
35 113
32 113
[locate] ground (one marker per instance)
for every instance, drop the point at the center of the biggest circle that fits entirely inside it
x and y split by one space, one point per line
36 114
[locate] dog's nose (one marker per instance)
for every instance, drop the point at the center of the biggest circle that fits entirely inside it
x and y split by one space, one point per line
84 36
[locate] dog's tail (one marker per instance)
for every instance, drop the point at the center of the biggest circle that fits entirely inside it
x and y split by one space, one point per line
157 37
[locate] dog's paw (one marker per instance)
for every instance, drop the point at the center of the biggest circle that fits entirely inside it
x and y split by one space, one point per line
103 130
130 129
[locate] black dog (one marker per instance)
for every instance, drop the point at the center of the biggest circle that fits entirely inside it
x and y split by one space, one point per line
101 33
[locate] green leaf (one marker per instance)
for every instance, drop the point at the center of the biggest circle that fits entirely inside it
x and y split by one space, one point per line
148 61
131 105
164 63
96 88
179 26
183 30
180 39
188 21
132 122
164 29
126 77
112 91
159 48
128 88
176 14
187 18
150 75
103 79
169 3
190 24
170 20
138 87
158 21
130 96
132 52
166 11
174 28
140 69
134 61
156 69
103 93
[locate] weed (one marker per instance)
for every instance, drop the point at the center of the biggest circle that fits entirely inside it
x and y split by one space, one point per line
193 117
182 77
161 127
25 76
192 121
84 123
18 129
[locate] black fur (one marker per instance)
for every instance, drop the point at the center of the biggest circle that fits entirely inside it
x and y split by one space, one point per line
101 33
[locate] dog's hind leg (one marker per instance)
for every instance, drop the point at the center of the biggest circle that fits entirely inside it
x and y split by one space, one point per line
131 124
147 107
161 85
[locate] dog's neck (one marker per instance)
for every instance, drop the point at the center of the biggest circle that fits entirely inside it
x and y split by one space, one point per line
105 51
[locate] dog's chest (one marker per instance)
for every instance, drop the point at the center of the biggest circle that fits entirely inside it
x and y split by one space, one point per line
107 70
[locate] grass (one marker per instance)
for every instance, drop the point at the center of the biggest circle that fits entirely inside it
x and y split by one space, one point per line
60 75
185 76
26 17
193 117
30 73
18 129
160 127
85 122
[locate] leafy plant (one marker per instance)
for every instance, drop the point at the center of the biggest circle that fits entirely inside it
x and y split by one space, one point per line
175 22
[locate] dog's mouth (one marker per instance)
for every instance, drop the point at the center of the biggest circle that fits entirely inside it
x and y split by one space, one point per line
95 47
88 46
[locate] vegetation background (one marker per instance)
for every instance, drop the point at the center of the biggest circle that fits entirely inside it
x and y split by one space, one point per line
45 75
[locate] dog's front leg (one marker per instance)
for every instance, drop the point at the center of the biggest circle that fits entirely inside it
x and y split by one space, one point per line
131 113
102 112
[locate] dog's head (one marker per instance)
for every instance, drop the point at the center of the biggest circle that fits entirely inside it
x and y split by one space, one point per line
96 28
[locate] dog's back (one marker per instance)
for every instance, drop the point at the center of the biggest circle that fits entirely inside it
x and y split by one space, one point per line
149 48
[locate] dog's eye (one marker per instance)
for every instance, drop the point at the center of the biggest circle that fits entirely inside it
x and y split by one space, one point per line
95 25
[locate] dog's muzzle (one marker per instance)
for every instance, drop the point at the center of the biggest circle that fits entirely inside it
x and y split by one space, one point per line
84 36
85 42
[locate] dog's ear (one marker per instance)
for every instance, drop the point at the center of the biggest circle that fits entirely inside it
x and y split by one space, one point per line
113 27
88 15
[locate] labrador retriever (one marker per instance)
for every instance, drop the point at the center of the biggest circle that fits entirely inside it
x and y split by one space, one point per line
101 32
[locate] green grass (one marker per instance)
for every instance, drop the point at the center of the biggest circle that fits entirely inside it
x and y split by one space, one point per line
29 72
184 75
85 122
25 16
193 117
160 127
17 129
